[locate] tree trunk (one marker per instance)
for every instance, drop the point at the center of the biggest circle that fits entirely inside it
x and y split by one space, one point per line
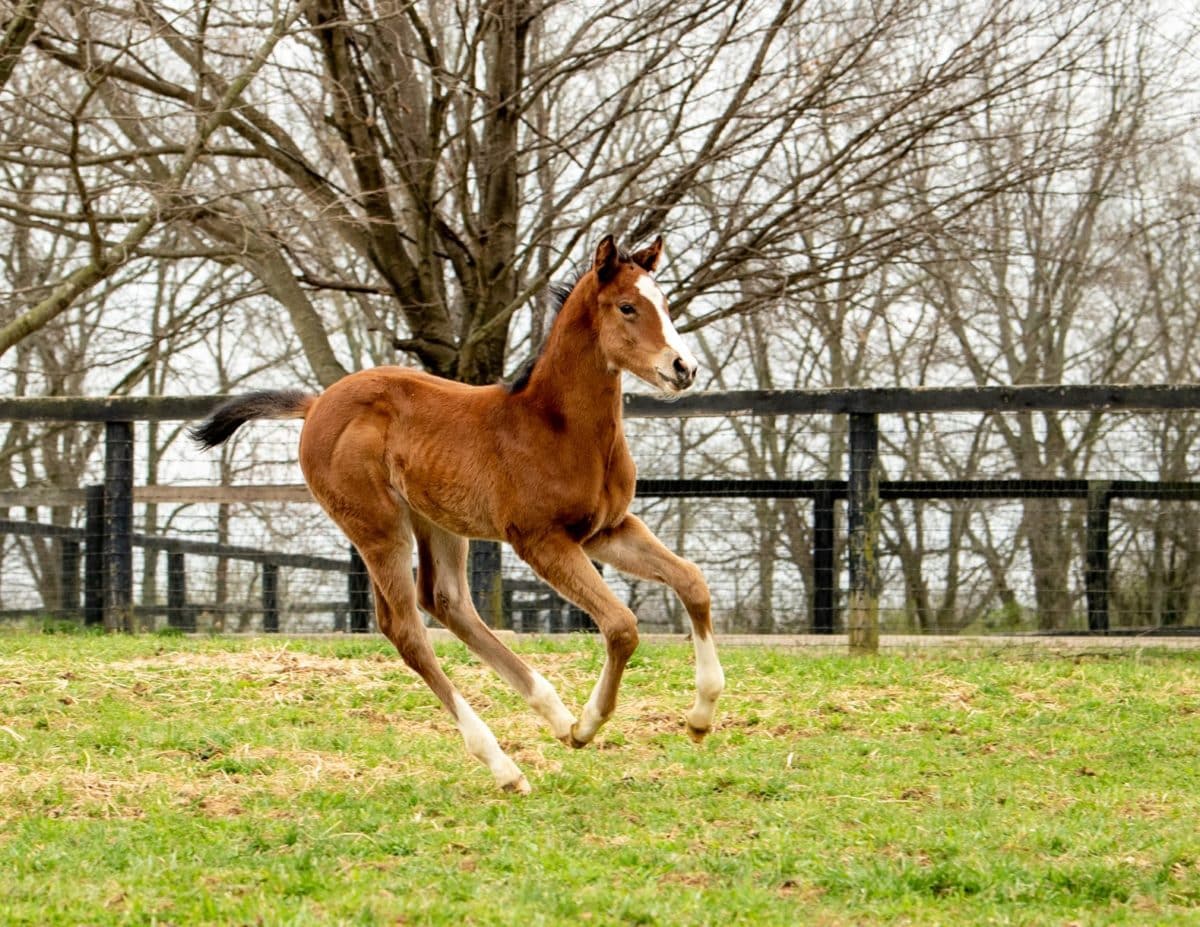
1050 556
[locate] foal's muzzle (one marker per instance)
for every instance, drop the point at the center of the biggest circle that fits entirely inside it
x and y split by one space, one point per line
682 373
685 373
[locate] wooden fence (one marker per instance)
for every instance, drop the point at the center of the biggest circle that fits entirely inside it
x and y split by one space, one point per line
108 538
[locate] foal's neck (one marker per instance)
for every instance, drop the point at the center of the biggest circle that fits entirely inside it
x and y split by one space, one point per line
571 381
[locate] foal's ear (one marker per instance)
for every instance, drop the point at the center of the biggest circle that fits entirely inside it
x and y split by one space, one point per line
608 259
647 258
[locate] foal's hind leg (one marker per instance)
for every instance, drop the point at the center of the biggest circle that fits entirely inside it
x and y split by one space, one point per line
562 563
444 592
632 548
390 566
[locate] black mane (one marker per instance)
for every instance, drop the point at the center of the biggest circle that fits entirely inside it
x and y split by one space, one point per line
558 291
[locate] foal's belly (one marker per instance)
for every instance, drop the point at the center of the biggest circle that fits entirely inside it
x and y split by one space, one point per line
455 505
461 510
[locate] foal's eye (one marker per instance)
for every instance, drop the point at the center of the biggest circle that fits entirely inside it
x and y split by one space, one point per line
627 310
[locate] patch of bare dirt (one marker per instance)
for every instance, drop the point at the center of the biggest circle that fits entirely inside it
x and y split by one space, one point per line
690 879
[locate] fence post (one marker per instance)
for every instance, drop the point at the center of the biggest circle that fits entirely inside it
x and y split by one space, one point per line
1096 572
486 582
68 576
177 607
823 569
93 557
577 619
118 525
270 598
862 622
516 620
358 583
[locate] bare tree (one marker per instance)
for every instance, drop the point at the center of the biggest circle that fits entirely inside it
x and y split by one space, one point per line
1159 577
1020 290
442 162
105 257
853 193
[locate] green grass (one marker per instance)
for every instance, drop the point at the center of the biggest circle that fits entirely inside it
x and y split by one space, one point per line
181 780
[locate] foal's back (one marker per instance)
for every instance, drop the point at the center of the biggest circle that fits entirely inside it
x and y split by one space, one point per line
476 460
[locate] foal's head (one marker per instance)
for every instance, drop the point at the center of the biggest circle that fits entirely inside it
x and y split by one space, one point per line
634 329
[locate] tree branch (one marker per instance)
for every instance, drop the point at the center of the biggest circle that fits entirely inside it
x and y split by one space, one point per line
102 265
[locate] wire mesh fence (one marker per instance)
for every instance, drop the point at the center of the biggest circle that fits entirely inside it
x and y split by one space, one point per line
987 521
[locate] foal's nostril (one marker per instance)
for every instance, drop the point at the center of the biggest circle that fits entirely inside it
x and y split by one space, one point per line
683 372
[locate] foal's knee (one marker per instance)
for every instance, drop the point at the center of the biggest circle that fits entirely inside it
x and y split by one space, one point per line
622 641
428 600
693 589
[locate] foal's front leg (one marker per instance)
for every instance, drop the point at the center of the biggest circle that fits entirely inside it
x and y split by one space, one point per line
632 548
563 564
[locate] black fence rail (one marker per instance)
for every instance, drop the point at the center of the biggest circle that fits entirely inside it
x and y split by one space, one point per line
526 606
103 548
825 493
98 541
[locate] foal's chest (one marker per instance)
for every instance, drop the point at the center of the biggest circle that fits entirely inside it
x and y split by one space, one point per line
605 503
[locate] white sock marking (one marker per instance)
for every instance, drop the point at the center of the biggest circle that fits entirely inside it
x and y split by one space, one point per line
710 681
545 701
590 719
481 744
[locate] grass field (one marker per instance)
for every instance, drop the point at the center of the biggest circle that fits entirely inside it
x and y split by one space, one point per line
187 781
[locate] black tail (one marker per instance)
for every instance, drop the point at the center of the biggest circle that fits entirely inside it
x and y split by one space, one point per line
230 416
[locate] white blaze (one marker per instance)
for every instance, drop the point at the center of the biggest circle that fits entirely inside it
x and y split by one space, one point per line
649 289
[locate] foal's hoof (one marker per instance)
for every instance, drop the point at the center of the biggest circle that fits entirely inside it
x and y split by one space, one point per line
520 786
696 734
572 741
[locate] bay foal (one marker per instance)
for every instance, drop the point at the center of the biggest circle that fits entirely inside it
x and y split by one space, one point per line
396 456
